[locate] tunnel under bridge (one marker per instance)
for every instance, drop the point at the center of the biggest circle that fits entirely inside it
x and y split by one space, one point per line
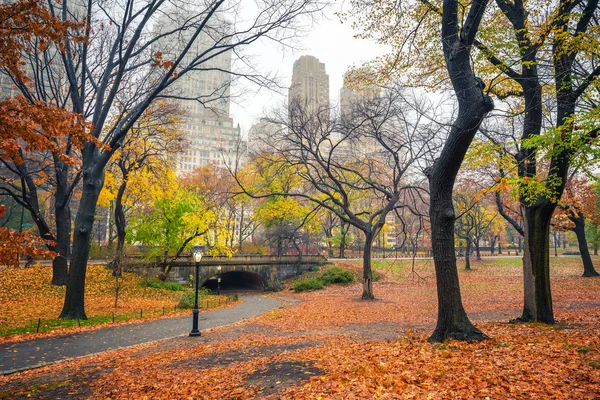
265 273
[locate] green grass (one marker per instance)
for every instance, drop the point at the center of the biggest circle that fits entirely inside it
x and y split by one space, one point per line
46 325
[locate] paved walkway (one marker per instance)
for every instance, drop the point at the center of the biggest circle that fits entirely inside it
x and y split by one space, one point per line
28 354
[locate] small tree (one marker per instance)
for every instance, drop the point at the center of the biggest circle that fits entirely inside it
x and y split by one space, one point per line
355 166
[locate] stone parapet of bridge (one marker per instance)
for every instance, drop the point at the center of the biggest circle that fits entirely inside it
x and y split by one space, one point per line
271 270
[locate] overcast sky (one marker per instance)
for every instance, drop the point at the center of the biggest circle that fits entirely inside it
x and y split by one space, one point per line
330 41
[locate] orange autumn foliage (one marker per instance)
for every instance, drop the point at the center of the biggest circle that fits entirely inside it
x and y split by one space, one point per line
13 243
343 348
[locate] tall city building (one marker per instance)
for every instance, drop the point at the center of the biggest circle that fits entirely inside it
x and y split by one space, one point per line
353 93
262 136
352 97
204 95
310 84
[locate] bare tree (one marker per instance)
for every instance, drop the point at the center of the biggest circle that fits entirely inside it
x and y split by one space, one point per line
355 166
135 53
155 138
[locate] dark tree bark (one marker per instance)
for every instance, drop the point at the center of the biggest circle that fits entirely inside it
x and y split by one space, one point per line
555 242
468 255
588 265
477 250
60 267
120 224
74 305
367 273
473 105
62 211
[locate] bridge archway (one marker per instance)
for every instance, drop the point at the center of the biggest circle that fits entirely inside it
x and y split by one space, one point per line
237 281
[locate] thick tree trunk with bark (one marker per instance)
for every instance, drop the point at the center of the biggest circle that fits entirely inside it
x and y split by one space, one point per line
343 233
60 264
74 305
473 105
538 218
120 225
588 265
62 216
468 255
529 310
477 249
367 273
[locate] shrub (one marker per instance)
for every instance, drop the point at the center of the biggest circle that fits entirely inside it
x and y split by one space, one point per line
156 283
312 283
187 300
336 275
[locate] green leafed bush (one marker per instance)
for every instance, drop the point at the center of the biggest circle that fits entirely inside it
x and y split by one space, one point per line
312 283
156 283
187 300
336 275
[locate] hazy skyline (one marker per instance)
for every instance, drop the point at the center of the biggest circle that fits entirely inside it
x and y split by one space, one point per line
330 41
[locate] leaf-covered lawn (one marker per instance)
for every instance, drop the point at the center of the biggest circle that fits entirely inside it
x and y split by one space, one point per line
26 294
328 344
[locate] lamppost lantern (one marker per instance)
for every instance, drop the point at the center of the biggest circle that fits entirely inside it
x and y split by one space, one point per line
197 257
197 253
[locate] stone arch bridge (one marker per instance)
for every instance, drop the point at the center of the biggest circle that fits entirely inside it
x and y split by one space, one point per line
265 272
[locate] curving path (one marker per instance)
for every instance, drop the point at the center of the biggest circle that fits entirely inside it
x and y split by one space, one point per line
18 356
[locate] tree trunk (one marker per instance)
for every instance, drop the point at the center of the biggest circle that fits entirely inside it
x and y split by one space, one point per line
538 217
477 249
343 233
529 310
120 224
492 245
241 231
74 305
555 242
468 255
499 247
367 273
60 268
588 266
473 105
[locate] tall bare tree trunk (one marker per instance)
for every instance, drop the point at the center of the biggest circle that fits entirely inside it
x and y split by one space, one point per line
588 265
529 310
468 255
60 264
74 305
367 273
473 105
121 233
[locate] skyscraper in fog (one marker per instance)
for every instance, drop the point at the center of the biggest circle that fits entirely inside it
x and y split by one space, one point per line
204 95
310 84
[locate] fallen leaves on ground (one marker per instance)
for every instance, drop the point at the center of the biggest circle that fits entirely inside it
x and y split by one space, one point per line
27 294
330 345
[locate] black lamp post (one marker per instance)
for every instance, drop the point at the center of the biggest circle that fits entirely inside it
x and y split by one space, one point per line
197 256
